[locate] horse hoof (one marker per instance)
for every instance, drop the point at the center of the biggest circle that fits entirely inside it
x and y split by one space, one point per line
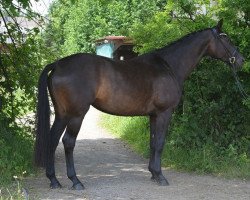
78 186
161 181
55 185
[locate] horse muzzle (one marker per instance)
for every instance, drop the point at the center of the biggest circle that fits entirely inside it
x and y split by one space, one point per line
236 62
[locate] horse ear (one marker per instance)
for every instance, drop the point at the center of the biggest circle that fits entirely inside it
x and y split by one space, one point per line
219 25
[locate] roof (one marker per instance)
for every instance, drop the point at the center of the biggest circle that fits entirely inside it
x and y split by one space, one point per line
120 39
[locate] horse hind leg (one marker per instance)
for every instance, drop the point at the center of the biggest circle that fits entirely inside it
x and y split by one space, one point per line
69 139
56 131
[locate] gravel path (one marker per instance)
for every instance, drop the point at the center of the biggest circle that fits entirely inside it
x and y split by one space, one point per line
110 170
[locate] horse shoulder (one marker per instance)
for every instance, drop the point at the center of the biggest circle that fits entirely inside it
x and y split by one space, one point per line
167 92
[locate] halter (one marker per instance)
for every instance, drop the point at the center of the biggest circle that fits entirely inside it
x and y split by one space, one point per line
232 57
232 61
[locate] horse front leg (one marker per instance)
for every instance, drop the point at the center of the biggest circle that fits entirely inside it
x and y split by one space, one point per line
158 130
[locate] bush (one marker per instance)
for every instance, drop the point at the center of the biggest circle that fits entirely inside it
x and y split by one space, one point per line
16 152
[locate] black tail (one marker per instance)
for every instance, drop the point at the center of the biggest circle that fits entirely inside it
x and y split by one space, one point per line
42 119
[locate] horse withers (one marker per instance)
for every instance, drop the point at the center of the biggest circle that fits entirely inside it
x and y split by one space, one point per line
148 85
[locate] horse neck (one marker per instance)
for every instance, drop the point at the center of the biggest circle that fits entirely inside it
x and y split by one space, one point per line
184 56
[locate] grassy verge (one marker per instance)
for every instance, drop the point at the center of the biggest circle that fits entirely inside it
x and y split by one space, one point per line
206 159
13 191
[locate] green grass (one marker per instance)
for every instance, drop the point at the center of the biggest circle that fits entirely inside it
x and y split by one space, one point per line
207 159
13 191
133 130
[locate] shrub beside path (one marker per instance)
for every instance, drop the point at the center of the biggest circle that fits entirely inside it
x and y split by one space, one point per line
110 170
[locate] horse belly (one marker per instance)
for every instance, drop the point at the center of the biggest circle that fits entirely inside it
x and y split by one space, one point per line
124 101
123 109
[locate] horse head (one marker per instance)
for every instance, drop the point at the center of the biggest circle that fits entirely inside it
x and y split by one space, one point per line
222 48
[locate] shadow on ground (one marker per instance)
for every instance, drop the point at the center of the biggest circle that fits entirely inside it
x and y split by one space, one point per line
109 170
101 164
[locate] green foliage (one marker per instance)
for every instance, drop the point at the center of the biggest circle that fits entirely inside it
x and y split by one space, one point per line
20 64
16 152
208 115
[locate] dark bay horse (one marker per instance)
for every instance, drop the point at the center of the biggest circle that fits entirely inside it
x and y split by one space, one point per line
150 84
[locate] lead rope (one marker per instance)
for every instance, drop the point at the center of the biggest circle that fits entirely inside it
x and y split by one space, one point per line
239 85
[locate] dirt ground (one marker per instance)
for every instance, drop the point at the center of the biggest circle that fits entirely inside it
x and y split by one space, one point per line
110 170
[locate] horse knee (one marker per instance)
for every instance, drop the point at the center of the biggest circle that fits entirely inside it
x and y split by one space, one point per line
159 145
